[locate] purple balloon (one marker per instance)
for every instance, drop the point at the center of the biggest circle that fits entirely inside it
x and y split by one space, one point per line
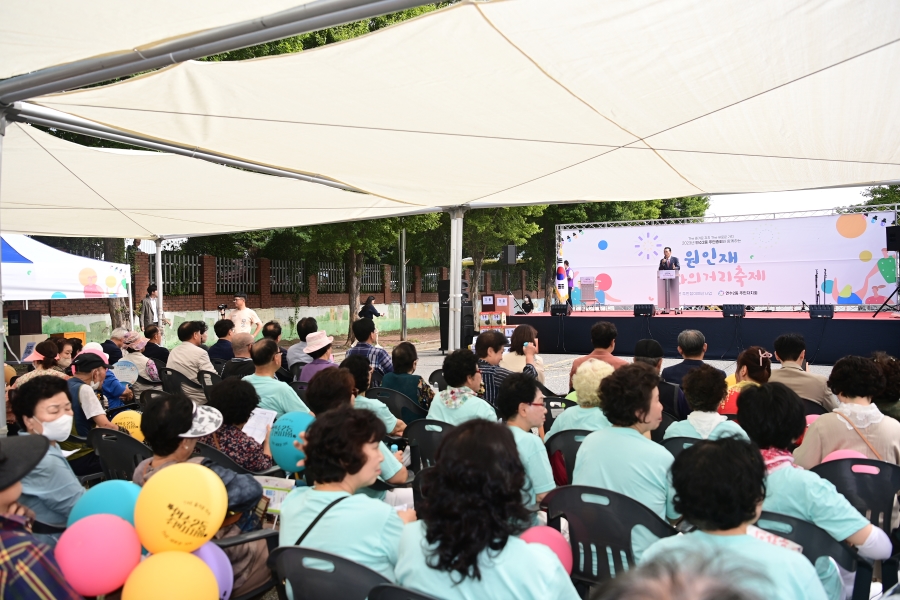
216 559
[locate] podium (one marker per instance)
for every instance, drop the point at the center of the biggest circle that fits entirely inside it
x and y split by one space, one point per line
667 290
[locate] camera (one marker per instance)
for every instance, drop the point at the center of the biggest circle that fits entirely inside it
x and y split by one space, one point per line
222 307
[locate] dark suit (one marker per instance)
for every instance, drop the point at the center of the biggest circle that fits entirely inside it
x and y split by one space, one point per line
676 373
673 400
115 353
152 350
222 350
238 367
669 264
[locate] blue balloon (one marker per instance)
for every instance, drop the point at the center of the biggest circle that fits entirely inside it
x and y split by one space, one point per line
603 245
116 497
281 440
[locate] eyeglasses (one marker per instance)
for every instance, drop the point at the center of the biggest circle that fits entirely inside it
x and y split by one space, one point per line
541 404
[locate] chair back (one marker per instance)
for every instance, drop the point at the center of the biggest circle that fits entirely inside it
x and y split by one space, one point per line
815 543
387 591
424 437
160 365
174 382
555 407
657 434
871 486
299 388
600 529
417 487
112 412
119 453
437 379
813 408
318 575
218 364
207 379
295 370
675 445
148 395
567 444
218 457
399 404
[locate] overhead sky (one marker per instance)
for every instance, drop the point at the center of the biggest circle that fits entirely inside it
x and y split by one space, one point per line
778 202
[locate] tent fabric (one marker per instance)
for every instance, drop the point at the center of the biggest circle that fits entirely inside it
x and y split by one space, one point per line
38 35
34 271
530 101
54 187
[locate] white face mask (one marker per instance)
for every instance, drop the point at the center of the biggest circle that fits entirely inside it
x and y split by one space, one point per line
65 362
96 385
58 430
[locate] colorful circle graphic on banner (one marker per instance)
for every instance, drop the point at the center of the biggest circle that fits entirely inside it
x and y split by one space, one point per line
603 245
851 226
865 256
603 282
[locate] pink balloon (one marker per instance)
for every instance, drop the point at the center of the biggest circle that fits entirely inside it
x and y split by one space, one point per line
97 554
811 418
541 534
841 454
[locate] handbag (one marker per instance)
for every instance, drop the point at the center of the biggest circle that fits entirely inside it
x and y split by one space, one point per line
862 437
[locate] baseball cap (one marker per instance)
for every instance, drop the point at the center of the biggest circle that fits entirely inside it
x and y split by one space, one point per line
88 361
648 349
19 455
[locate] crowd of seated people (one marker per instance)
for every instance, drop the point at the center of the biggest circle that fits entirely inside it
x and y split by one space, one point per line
753 452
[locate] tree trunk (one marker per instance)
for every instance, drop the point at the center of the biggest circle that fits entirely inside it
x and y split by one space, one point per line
114 251
477 262
354 283
550 274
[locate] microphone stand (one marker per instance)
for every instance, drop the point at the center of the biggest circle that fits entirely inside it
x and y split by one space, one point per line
817 287
516 301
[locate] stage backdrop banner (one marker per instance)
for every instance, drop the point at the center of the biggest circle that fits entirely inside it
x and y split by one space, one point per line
740 262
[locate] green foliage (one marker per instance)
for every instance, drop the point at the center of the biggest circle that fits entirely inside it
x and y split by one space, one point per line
881 194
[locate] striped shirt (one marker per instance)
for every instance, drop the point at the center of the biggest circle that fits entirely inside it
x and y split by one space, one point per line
378 357
27 567
492 377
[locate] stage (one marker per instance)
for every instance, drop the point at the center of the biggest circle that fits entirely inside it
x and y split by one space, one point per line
827 340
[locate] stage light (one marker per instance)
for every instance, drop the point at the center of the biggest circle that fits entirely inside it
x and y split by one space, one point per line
738 311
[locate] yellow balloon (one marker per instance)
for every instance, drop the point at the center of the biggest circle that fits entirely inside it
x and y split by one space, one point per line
180 508
173 576
130 420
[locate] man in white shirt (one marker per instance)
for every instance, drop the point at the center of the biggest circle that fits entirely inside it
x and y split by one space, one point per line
188 358
245 320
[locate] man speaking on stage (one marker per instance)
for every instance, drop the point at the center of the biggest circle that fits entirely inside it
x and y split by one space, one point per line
669 263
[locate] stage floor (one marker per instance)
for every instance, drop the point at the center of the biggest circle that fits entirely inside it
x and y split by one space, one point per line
827 340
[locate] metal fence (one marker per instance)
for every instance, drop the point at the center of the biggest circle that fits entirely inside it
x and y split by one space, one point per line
332 277
497 280
372 278
430 277
180 274
236 275
535 280
288 276
395 278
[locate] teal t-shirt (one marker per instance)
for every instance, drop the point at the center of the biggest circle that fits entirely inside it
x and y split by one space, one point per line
379 408
804 495
458 405
723 429
389 467
520 570
538 474
771 572
576 417
276 395
359 528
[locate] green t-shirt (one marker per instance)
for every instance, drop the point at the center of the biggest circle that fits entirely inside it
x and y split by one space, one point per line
276 395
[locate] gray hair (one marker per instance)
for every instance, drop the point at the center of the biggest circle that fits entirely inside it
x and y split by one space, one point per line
118 333
691 342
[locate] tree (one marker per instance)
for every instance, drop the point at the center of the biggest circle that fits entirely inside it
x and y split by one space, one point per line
881 194
114 251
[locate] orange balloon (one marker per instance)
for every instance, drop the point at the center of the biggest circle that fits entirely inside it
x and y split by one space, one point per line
173 576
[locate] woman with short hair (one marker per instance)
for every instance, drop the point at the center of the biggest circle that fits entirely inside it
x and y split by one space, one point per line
342 458
704 390
465 545
459 402
774 417
514 360
587 415
236 399
754 367
404 380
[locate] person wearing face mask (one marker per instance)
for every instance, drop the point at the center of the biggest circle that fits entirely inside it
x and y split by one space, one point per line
51 489
88 373
44 358
66 353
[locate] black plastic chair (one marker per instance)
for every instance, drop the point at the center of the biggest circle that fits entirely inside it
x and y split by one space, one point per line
399 404
299 388
813 408
555 407
424 437
872 494
218 364
175 382
160 365
567 443
148 395
119 453
437 379
417 487
207 379
295 370
112 412
345 579
816 542
271 537
387 591
223 460
383 486
675 445
657 434
600 526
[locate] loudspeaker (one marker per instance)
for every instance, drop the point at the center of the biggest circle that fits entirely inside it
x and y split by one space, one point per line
644 310
509 255
734 310
24 322
561 310
821 311
893 238
467 324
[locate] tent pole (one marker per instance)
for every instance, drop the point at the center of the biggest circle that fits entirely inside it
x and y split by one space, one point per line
403 284
3 430
159 289
456 237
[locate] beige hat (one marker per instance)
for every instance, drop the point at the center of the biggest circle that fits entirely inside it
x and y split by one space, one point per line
317 340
